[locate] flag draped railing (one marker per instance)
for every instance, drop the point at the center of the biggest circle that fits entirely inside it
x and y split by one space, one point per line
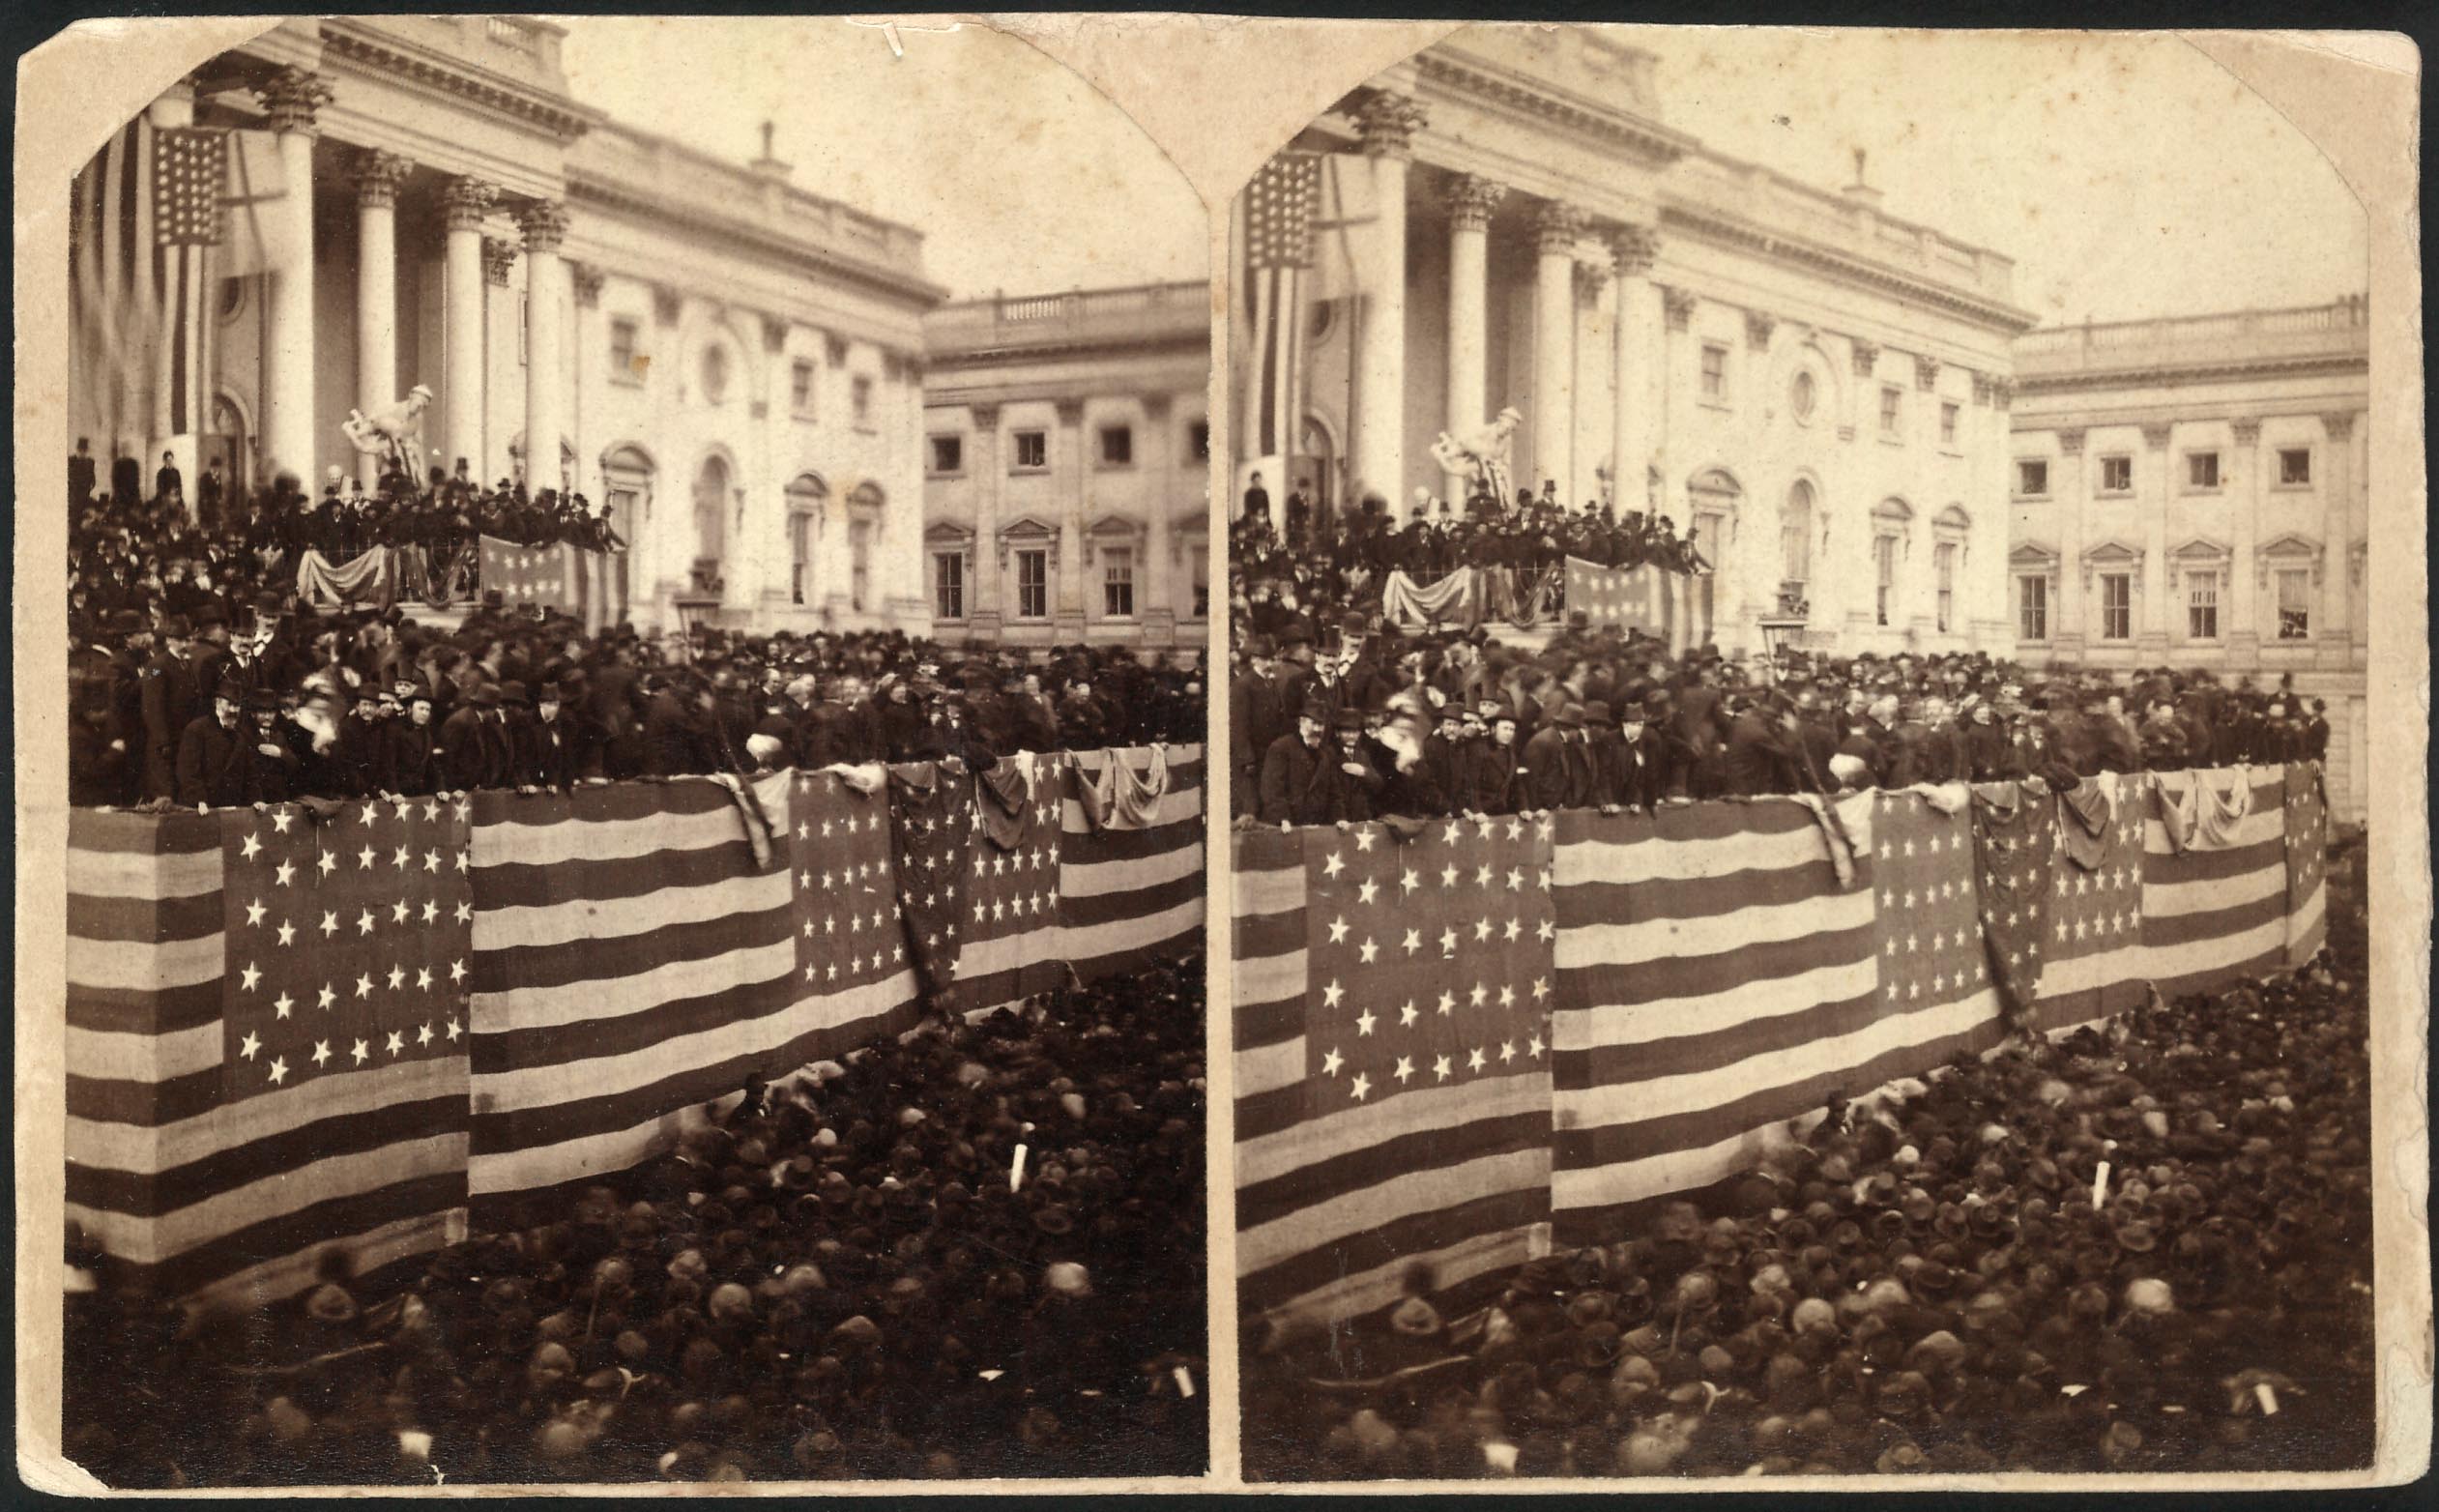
379 1026
1458 1045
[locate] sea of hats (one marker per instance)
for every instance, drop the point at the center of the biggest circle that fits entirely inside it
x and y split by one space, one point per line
2145 1247
978 1251
1457 722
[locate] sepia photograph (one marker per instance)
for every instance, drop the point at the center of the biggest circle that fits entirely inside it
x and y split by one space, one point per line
1799 765
633 714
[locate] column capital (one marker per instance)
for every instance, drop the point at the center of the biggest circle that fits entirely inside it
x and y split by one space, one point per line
2003 393
1758 324
1471 200
1981 390
1388 122
1591 276
667 304
1866 356
2245 432
544 223
1635 247
1679 303
497 256
1070 411
2070 442
985 417
774 333
2156 437
1925 373
586 281
293 98
465 202
1156 406
1557 227
378 175
2338 423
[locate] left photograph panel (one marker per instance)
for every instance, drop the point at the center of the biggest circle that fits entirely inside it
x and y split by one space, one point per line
635 826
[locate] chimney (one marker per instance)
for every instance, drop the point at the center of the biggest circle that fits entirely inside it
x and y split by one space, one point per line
768 165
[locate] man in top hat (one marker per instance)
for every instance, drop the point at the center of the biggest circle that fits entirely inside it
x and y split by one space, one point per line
1295 781
1492 783
1762 744
171 699
272 767
212 768
1557 763
82 474
1634 759
1874 740
1357 782
476 749
410 758
358 763
1255 719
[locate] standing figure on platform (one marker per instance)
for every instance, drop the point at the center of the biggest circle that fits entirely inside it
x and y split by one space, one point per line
393 432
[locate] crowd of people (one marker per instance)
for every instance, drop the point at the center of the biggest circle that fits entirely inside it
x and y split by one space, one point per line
1328 566
1377 723
977 1251
2145 1247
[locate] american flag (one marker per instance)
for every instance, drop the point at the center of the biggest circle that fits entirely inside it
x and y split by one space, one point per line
1392 1058
551 577
1642 598
2091 936
268 1038
1011 930
933 838
1130 883
2307 862
189 171
2213 878
1278 221
2015 840
140 294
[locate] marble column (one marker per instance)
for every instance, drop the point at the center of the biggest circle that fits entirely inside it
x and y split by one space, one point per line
544 223
1068 442
464 202
989 477
377 175
1556 230
1155 589
1635 248
2155 486
2073 491
292 98
1471 201
2345 625
498 345
1388 122
2241 626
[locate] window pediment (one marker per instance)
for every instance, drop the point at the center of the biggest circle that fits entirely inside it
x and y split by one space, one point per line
2289 551
2033 556
2200 551
947 533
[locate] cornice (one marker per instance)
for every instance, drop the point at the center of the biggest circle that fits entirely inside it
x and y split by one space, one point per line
584 189
1654 143
2162 374
1184 341
1845 268
558 117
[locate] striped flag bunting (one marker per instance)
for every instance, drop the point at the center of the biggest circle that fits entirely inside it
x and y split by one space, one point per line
554 577
2014 841
1131 886
1392 1104
2307 862
1011 927
1279 207
2095 966
933 839
266 1048
2213 878
140 292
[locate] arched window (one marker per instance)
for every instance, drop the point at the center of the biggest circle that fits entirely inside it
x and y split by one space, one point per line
864 511
710 513
806 494
1892 529
1795 537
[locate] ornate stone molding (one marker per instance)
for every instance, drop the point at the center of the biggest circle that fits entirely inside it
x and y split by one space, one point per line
1070 411
2337 425
2156 437
2070 442
377 176
1925 373
985 417
1156 406
1471 200
2287 550
774 333
587 280
1556 227
1657 145
498 257
2247 432
565 121
2002 394
668 304
834 347
2358 561
1591 276
1722 231
1758 324
465 202
1866 356
1388 122
1981 390
293 98
1679 303
2157 374
1636 248
544 223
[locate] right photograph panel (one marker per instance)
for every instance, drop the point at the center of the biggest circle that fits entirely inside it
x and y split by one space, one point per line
1796 736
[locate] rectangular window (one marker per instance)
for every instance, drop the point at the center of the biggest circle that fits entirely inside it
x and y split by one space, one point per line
1118 446
2295 466
1201 586
1033 447
1117 581
800 555
1892 410
2202 469
948 585
2032 477
800 390
1033 585
1944 560
2295 607
1198 447
1883 576
2201 606
2117 474
1947 425
948 453
2032 608
1713 372
625 363
864 402
859 552
2117 606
